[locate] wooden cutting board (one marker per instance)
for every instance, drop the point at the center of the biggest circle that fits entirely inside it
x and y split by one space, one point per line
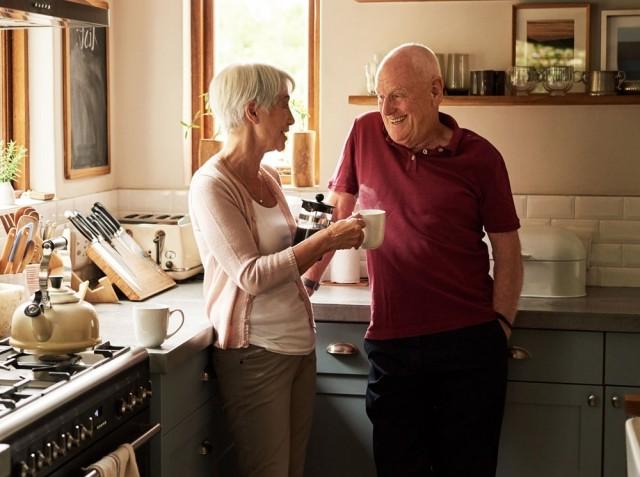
139 279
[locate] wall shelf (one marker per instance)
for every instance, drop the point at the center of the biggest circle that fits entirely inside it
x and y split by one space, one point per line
576 99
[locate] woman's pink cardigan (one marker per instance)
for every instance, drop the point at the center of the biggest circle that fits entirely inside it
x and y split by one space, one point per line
225 230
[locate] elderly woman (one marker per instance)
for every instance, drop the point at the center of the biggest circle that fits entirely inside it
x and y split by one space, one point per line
264 346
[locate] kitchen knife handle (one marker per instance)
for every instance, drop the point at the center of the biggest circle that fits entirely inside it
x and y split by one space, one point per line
79 226
107 214
104 220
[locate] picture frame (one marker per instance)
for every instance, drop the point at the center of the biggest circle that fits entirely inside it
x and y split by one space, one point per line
552 34
620 42
86 102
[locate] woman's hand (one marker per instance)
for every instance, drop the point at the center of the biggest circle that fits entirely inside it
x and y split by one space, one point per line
346 233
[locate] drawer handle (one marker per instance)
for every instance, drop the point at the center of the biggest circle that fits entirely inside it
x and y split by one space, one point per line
516 352
342 349
205 375
592 400
205 447
632 404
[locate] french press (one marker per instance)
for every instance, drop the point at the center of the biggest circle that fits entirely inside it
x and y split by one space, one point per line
314 216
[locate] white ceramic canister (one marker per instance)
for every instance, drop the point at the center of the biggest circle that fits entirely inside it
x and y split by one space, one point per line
345 266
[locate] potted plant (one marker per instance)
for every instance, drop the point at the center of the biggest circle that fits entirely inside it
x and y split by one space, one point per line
11 156
207 147
303 149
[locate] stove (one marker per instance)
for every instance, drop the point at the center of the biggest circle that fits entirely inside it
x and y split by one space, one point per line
61 413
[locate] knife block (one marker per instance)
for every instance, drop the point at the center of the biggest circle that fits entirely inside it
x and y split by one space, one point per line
149 278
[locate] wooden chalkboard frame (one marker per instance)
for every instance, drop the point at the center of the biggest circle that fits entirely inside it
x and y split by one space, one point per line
74 73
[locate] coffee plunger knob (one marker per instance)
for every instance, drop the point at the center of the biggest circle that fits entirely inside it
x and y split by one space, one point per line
319 197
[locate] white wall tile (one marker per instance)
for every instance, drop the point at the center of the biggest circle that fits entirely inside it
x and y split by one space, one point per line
520 203
599 207
149 200
548 206
620 277
123 199
593 277
608 255
631 255
534 222
180 201
632 207
619 231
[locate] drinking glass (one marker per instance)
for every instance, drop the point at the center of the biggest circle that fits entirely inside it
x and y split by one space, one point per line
457 79
523 79
557 80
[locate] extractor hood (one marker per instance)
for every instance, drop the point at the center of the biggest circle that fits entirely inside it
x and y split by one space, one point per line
51 13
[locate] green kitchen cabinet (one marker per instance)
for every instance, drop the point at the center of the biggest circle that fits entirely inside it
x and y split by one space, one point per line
551 430
193 441
340 442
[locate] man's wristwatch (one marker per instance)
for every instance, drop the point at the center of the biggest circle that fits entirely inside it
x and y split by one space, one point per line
312 284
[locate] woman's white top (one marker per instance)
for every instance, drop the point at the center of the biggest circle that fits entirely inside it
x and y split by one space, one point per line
278 320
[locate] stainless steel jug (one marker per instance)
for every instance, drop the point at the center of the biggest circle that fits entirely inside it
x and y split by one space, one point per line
605 82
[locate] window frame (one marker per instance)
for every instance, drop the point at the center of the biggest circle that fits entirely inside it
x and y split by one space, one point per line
15 95
202 61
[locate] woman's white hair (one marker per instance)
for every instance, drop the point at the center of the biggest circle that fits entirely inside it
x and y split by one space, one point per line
238 84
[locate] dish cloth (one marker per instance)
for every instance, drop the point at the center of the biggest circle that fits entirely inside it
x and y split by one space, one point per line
119 463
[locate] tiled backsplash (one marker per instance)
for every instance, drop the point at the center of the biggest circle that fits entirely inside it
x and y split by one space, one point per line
608 226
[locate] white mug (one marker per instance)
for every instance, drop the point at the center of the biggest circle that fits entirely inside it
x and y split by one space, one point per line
374 220
150 324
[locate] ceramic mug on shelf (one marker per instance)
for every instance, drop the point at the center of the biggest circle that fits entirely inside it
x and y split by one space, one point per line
151 322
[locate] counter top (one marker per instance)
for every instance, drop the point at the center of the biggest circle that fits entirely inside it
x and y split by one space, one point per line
603 309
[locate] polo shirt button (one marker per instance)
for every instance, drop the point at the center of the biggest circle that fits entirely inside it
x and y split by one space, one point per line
440 149
425 152
413 157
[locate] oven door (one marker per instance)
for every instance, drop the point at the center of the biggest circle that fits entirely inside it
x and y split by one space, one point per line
137 432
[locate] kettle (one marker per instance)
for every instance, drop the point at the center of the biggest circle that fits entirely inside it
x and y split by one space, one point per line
314 216
56 320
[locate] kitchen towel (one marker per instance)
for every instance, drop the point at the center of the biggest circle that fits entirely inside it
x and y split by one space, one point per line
119 463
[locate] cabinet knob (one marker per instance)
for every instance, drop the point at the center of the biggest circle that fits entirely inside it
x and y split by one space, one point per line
342 349
517 352
616 401
205 447
205 376
592 400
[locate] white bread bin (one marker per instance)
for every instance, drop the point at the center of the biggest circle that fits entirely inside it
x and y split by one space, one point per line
554 262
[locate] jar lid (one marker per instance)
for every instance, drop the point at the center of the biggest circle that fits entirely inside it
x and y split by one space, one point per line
317 206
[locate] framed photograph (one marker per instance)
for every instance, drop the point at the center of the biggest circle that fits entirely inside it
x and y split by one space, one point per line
620 45
86 102
552 34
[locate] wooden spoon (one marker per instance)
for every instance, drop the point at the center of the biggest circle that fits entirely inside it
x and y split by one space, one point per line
6 249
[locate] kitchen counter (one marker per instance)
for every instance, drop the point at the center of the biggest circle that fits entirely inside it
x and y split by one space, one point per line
603 309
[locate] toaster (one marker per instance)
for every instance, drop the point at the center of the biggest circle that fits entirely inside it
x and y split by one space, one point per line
168 239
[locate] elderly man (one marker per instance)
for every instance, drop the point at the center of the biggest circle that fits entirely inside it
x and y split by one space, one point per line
437 341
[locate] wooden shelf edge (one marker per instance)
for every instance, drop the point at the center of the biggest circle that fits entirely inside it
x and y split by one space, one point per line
576 99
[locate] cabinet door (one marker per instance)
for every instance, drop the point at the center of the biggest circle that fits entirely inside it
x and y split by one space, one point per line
340 442
199 446
551 430
615 454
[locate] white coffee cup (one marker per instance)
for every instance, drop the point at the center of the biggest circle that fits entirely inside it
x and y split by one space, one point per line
150 324
374 230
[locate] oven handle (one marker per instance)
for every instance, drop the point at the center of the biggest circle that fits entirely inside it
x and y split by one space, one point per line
139 441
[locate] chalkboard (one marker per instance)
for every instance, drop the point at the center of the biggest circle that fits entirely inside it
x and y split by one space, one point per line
86 102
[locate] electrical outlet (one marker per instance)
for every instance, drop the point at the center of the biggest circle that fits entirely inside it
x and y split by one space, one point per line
78 252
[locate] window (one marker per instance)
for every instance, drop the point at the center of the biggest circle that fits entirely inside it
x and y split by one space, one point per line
280 32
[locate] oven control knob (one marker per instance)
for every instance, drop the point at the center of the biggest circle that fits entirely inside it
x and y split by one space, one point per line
42 459
58 451
73 440
25 470
143 393
133 400
122 407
